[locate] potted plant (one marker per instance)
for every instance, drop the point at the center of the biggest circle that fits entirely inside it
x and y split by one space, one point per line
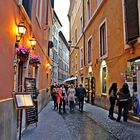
23 53
34 60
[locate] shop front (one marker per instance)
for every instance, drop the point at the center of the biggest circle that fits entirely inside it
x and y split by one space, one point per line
132 77
90 87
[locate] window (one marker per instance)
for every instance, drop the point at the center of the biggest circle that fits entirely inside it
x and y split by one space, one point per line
88 9
89 51
76 67
99 2
103 79
81 58
75 36
81 24
39 10
131 20
103 40
27 4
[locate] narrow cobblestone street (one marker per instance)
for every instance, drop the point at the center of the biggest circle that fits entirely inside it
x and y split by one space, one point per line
92 124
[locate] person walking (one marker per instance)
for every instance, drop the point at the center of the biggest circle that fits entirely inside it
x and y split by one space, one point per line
81 93
71 97
112 98
54 94
62 97
123 102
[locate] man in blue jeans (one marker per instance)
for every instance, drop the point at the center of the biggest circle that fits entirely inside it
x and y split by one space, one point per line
81 93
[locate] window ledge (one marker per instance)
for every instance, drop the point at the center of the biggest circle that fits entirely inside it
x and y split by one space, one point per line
104 57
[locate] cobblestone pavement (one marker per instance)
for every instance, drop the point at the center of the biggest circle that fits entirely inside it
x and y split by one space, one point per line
92 124
122 130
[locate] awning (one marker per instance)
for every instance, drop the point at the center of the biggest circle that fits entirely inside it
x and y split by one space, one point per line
70 79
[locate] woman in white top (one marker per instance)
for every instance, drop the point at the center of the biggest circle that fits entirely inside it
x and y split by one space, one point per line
71 97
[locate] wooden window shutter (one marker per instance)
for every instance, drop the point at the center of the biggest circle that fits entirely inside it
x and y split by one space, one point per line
131 20
28 7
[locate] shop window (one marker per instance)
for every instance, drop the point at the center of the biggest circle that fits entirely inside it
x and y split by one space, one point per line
104 80
82 79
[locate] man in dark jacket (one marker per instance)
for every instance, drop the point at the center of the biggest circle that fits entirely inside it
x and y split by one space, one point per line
81 93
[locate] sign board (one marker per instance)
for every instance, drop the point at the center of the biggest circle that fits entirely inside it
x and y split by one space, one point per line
31 116
23 100
30 86
32 113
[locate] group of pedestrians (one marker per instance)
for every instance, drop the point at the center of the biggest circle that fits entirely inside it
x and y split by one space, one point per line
121 99
65 94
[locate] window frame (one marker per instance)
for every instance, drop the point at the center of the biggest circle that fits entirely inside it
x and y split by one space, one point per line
81 58
103 56
81 24
39 17
90 38
76 63
76 35
126 46
88 3
24 12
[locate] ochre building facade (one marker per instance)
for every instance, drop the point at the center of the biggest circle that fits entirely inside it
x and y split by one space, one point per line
105 45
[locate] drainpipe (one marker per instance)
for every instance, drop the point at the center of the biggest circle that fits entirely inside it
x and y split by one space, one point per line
84 34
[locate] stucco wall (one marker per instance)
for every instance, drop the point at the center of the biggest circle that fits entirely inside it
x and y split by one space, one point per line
43 99
8 120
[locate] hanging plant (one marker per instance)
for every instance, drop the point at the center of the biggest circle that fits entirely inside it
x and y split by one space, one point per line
34 60
23 53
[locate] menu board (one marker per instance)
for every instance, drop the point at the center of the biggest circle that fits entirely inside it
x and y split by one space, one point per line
32 113
23 100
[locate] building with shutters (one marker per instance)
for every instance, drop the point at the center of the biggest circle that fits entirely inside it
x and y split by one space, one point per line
55 54
36 18
106 34
63 59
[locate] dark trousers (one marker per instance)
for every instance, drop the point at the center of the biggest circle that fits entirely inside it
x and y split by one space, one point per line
81 103
123 105
112 104
55 102
62 101
71 105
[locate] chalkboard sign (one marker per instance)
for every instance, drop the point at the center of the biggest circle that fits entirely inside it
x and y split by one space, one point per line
31 116
32 113
30 86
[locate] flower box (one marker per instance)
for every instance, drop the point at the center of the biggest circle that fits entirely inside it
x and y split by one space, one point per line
23 53
34 60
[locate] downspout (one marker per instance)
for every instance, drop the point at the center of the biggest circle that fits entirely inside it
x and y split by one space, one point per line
84 34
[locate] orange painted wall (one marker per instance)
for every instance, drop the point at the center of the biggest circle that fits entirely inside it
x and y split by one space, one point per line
10 16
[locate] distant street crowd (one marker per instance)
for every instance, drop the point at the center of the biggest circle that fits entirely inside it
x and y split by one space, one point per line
67 95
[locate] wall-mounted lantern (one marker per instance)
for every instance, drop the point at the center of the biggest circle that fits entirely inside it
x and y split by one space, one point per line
21 28
33 42
71 45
